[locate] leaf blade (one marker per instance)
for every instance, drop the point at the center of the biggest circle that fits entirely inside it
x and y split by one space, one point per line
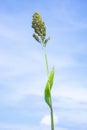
49 84
51 78
47 94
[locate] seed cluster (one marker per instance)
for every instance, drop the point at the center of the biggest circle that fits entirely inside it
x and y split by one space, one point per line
39 27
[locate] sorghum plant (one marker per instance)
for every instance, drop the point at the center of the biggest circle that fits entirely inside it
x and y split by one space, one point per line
40 36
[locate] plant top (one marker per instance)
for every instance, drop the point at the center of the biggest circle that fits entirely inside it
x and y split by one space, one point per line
40 29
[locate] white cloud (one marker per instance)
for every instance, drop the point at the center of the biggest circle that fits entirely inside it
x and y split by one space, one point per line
46 120
77 93
6 126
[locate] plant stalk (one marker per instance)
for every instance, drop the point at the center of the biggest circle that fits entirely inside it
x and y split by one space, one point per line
52 119
47 70
46 60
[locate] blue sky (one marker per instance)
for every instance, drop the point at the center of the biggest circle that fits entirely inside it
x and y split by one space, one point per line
22 65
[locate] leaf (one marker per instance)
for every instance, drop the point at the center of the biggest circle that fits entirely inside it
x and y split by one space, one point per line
36 38
47 94
48 87
51 77
46 40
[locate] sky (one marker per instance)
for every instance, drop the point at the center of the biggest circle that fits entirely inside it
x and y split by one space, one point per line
22 65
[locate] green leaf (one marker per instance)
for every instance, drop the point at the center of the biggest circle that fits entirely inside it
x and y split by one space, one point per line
51 77
49 84
36 38
46 40
47 94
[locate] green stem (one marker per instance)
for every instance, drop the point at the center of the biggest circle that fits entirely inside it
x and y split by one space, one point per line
52 119
47 69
